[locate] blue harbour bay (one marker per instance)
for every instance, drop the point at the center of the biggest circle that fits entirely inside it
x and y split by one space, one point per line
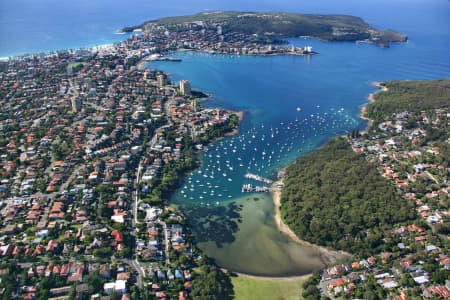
292 104
329 89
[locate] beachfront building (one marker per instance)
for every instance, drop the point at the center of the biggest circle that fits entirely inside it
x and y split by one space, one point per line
162 80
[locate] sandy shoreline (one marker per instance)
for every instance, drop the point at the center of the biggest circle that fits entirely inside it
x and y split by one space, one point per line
286 278
328 256
141 64
274 278
371 98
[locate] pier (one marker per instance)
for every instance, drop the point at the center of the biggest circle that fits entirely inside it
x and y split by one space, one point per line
258 178
159 57
248 188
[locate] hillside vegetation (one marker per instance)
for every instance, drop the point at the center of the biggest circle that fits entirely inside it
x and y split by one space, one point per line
281 24
333 195
413 96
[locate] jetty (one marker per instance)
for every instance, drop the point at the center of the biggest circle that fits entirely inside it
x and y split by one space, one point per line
248 188
159 57
258 178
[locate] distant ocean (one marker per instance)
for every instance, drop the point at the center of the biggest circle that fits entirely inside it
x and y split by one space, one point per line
29 26
329 90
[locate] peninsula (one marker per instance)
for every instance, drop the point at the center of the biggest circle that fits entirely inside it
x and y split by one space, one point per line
383 196
236 31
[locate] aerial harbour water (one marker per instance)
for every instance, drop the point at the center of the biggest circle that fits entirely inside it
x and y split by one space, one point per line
329 93
245 224
237 228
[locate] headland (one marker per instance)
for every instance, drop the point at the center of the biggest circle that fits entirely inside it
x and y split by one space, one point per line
326 190
218 31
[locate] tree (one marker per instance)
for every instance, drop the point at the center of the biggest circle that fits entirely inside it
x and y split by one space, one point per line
114 295
95 282
211 284
370 295
331 196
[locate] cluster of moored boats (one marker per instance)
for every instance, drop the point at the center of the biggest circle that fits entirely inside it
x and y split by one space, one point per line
256 153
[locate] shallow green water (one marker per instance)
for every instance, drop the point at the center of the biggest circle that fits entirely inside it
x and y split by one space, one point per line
259 247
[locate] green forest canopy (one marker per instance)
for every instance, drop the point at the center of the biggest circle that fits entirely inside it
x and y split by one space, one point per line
410 95
334 192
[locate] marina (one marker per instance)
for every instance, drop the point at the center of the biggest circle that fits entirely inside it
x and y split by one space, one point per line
329 97
258 178
248 188
159 57
232 165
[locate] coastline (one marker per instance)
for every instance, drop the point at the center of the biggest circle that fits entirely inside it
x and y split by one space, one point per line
371 98
140 64
328 256
325 255
240 115
286 278
243 54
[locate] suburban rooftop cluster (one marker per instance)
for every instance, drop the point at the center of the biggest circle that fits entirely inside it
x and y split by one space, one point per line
91 146
410 149
208 37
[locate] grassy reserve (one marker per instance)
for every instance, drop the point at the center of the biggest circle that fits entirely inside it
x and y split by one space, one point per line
76 64
261 289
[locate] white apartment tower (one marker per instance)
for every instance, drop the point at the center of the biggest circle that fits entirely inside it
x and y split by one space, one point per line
185 87
76 104
162 80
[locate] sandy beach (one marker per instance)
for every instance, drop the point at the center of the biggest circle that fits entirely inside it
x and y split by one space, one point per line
371 99
287 278
328 256
140 65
